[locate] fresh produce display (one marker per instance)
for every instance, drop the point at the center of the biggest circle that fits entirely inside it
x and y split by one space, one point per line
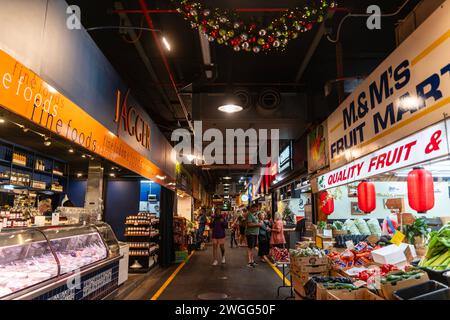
321 225
337 225
374 226
328 283
279 254
437 256
308 252
384 241
401 275
351 227
417 229
362 226
359 256
342 238
383 270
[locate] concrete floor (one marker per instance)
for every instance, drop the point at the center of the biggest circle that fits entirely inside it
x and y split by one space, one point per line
198 277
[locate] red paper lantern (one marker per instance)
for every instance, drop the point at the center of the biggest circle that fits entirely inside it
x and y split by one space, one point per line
366 197
327 203
420 190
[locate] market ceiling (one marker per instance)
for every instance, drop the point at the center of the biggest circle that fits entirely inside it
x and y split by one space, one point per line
181 85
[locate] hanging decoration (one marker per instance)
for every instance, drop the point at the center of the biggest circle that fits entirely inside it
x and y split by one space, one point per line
366 197
420 190
326 203
228 28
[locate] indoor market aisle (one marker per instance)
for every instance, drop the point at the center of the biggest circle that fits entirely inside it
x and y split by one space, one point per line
198 278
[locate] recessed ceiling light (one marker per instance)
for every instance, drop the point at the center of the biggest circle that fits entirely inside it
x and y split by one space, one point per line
71 150
112 175
230 108
79 175
166 43
83 156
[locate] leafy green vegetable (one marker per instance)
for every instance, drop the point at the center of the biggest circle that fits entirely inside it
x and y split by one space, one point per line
418 228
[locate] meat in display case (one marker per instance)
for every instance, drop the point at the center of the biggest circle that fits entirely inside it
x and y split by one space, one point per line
36 263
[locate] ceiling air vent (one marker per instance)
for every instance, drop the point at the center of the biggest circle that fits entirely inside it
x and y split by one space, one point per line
269 100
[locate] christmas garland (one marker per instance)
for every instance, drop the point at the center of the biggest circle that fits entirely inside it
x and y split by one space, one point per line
227 27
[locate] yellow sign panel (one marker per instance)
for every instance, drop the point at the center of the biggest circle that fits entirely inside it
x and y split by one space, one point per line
24 93
398 237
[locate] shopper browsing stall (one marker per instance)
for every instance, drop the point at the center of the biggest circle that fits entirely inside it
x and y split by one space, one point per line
263 237
277 238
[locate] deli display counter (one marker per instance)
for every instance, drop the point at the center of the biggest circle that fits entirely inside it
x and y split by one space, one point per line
78 262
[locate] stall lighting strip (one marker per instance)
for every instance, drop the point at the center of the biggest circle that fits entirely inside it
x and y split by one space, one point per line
170 279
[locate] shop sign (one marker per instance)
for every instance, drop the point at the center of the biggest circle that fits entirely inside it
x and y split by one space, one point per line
285 159
24 93
409 91
317 148
131 122
426 145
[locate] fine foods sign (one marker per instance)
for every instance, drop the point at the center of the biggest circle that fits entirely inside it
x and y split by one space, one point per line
410 90
426 145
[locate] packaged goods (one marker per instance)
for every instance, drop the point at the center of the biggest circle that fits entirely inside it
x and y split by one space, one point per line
374 226
351 227
361 224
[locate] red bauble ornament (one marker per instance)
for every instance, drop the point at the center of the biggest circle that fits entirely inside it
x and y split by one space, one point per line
271 39
366 197
327 203
309 26
204 22
266 46
420 190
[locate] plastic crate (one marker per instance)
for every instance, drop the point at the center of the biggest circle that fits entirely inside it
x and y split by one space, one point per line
419 290
443 294
437 275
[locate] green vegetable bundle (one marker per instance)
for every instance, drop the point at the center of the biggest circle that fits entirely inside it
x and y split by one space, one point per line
437 256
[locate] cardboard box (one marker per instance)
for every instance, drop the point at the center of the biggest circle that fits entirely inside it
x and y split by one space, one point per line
314 268
321 292
360 294
308 261
394 254
320 238
387 289
297 284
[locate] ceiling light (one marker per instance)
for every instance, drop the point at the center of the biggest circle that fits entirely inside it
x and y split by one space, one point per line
71 150
230 108
190 157
161 177
79 175
227 178
47 141
51 89
166 43
226 184
25 129
83 156
113 175
2 120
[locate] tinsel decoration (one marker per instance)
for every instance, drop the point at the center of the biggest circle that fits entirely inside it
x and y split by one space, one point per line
228 28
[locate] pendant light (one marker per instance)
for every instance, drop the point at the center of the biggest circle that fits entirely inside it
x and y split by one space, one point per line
326 203
366 197
420 190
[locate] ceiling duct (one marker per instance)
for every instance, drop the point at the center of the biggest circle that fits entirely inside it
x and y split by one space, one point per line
269 100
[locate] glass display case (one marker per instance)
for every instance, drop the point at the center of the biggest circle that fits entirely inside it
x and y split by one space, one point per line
32 256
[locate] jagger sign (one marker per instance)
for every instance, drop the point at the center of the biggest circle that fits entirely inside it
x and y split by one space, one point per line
409 91
426 145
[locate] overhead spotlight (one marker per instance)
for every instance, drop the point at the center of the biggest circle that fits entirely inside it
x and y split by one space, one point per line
112 175
161 177
166 43
2 120
230 108
79 175
71 150
83 156
25 129
226 178
47 141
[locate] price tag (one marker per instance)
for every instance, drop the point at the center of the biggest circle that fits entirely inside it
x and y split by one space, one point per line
398 237
350 245
359 283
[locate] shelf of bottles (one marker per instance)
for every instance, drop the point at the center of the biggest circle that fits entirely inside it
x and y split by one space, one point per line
24 169
142 236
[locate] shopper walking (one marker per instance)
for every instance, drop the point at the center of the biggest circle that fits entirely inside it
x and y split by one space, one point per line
234 225
242 225
218 226
251 233
201 227
277 238
263 237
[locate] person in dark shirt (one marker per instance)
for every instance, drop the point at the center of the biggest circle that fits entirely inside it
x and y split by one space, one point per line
218 226
201 226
